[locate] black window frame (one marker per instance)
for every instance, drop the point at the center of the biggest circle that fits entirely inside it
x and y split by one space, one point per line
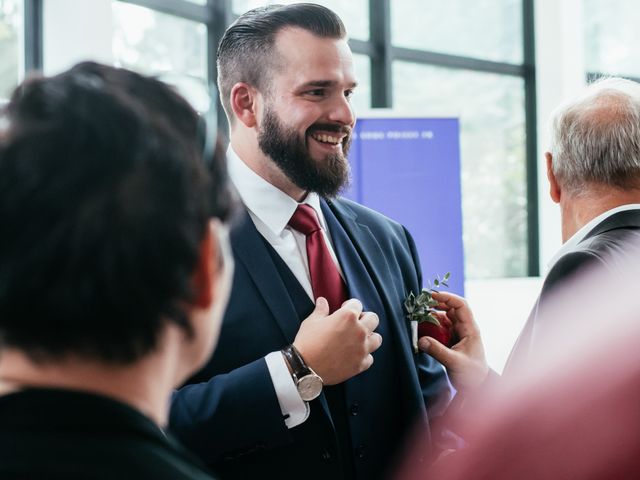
33 44
216 15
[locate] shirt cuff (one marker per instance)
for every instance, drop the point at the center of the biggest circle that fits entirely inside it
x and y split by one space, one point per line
294 410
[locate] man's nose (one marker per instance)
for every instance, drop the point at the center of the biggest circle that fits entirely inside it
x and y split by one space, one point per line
342 111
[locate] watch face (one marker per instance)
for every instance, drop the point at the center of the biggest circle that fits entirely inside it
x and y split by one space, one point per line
309 387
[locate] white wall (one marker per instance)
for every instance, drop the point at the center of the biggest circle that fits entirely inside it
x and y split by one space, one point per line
560 74
75 31
501 307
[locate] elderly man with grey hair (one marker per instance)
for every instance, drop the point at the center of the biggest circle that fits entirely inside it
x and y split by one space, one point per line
593 167
559 393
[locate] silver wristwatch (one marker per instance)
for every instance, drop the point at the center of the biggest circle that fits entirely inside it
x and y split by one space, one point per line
308 382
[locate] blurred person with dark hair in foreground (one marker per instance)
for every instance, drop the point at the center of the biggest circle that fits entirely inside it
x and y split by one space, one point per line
113 274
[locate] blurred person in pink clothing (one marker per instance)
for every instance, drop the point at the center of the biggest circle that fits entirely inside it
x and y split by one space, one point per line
571 412
563 404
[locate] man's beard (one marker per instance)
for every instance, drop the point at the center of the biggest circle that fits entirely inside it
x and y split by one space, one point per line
326 177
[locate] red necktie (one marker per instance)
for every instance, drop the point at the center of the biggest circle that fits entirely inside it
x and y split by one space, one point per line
325 279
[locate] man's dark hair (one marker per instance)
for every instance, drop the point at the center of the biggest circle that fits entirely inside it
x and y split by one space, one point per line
104 201
246 52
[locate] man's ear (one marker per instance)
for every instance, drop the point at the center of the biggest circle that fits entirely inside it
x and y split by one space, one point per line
554 188
204 275
243 103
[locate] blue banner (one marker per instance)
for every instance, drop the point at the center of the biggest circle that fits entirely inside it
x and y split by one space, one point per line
409 170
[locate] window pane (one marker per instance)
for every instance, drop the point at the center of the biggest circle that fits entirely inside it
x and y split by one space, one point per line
354 13
492 119
487 29
10 30
153 43
362 96
612 36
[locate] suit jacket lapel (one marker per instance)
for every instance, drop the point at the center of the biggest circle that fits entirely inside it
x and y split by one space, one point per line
250 250
624 219
379 273
371 280
367 248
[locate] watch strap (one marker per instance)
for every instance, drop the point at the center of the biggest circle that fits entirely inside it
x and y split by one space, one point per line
298 366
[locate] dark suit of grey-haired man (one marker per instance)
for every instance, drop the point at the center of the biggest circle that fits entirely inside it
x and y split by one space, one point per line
593 167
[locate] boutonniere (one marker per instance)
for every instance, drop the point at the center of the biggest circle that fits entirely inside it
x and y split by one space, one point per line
420 314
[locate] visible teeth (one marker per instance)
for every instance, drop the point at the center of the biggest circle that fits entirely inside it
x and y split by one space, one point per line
326 138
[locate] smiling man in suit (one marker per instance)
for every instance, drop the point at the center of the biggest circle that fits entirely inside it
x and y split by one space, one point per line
293 390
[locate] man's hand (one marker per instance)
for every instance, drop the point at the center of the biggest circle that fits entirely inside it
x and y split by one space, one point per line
338 346
465 362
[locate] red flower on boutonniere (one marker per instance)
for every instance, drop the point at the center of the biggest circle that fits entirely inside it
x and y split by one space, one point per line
420 313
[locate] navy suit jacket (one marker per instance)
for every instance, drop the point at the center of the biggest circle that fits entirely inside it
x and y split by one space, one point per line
229 413
611 245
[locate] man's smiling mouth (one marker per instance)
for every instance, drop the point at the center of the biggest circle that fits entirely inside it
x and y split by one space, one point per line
324 138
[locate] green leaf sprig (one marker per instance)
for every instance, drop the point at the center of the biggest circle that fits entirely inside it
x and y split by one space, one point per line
421 307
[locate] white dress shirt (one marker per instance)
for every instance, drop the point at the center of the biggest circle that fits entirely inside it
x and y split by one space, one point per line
577 237
271 209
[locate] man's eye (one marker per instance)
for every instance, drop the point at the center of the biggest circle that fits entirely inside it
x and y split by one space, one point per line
318 92
348 93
